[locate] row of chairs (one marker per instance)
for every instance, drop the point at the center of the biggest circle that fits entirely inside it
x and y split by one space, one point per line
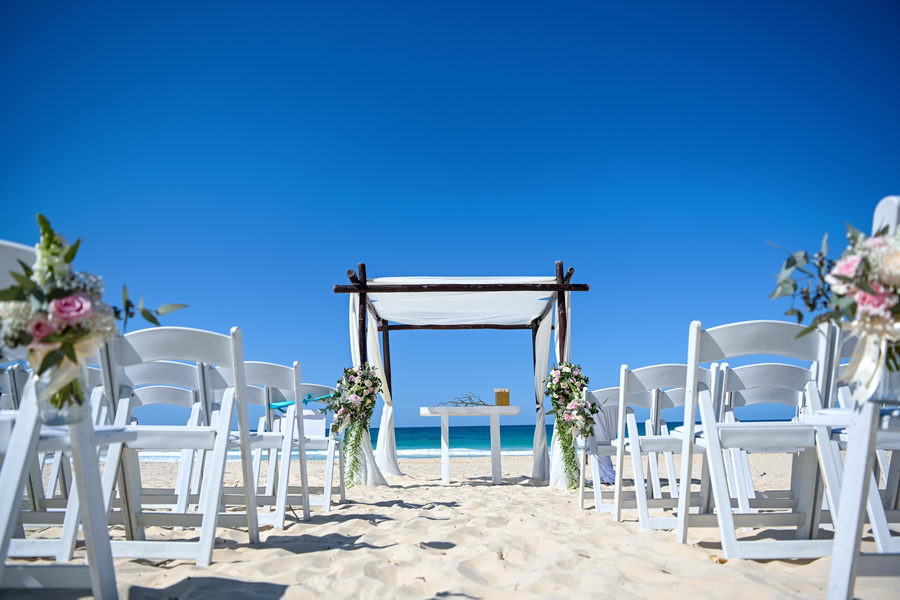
204 374
709 387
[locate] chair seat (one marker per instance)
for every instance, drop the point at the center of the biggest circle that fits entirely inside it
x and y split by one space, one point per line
759 435
57 438
884 440
161 437
660 443
258 439
316 442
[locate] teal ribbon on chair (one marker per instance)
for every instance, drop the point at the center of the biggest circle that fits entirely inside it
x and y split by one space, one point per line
309 398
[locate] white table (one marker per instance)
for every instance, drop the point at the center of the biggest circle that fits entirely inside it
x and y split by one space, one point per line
445 412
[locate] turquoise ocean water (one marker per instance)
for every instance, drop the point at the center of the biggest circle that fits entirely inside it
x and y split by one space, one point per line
425 442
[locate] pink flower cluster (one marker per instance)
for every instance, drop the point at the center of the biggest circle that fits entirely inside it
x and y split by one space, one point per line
63 312
869 274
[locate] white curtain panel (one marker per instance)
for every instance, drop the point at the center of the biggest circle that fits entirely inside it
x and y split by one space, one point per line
369 474
557 468
386 451
540 470
605 429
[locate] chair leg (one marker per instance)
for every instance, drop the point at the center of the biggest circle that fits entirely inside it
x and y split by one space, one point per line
640 482
99 553
671 474
653 469
808 464
284 473
854 489
594 461
343 483
329 474
582 455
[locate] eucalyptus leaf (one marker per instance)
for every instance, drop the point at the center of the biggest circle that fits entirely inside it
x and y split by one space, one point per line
824 247
149 316
169 308
794 313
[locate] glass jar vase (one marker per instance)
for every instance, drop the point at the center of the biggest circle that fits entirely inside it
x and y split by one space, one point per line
62 394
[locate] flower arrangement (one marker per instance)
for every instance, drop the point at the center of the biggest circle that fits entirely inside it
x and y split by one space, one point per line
565 386
860 291
352 404
59 315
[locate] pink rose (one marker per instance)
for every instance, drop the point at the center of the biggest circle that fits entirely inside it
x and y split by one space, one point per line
355 399
572 405
846 267
71 309
878 304
567 417
40 328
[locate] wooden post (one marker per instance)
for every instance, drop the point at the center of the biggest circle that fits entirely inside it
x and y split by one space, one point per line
361 317
386 358
562 314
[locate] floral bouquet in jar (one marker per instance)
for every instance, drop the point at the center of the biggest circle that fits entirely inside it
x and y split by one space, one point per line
58 314
352 405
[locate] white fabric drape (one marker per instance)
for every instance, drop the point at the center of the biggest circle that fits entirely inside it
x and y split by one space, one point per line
557 468
540 469
386 451
369 473
606 423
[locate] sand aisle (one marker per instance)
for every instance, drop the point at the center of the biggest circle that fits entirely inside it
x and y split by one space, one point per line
422 539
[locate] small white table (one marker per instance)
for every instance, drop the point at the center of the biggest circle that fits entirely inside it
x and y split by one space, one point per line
445 412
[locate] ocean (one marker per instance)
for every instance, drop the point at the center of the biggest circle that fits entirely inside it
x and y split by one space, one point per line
425 442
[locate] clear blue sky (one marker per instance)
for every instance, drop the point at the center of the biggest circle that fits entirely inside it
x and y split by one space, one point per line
239 157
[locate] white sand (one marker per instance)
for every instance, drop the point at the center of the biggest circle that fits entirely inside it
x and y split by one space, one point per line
469 539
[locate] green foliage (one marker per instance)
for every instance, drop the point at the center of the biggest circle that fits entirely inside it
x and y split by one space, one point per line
570 457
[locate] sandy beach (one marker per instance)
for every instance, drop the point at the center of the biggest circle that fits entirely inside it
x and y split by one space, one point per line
420 538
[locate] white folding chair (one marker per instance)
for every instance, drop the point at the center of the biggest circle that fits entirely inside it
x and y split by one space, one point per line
318 437
765 338
198 347
653 388
20 435
270 383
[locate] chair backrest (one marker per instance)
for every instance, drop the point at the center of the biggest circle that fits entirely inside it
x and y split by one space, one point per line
314 421
778 338
765 383
749 338
156 362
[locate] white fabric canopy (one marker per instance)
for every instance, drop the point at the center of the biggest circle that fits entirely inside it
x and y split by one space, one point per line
459 308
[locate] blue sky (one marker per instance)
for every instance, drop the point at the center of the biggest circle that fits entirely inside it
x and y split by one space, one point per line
239 157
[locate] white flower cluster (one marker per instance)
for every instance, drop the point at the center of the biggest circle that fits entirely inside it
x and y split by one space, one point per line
50 267
15 317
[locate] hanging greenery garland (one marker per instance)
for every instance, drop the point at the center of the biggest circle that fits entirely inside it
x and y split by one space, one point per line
565 385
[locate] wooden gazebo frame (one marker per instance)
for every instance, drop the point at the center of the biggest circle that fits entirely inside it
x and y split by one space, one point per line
359 285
